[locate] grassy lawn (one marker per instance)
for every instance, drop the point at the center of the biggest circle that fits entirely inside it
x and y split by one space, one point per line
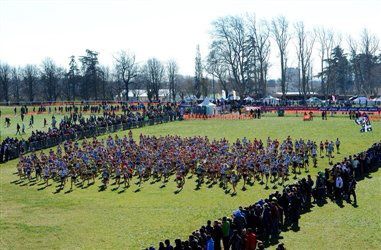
38 125
38 121
86 218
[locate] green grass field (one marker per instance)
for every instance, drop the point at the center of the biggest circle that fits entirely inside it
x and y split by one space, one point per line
38 121
86 218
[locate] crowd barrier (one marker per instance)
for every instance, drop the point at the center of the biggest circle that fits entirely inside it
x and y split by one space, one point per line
375 109
51 141
372 117
218 117
78 103
375 118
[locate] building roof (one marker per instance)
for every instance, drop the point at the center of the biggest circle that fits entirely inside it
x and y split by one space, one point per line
294 93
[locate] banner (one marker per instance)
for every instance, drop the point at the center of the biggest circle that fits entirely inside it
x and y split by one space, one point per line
317 109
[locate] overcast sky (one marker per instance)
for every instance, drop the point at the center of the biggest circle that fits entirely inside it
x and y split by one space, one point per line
167 29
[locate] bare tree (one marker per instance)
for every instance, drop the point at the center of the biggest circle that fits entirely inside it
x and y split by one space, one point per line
50 75
154 72
105 79
30 77
127 68
327 40
305 43
16 83
232 47
5 76
259 37
369 47
138 85
279 31
364 60
185 86
218 69
172 72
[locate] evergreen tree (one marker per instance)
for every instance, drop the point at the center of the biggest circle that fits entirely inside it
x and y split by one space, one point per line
198 73
338 72
90 81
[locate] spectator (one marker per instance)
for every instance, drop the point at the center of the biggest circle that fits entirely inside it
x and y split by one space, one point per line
217 235
209 243
236 242
168 245
250 240
225 232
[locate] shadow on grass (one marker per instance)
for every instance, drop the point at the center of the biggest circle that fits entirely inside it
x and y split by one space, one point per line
319 203
17 182
178 190
83 186
58 190
102 188
340 203
366 176
68 191
122 191
295 228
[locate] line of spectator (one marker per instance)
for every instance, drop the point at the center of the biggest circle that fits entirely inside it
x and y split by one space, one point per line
260 224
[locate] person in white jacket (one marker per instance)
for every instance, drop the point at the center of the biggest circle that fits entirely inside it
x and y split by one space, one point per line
338 187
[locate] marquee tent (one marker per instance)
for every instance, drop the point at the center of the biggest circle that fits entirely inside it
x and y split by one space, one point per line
314 100
270 100
208 107
361 100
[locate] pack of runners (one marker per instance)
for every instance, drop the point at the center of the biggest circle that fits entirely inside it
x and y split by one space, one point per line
270 162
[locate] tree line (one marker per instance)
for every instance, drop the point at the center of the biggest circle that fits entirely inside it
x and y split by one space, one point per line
238 59
86 79
240 51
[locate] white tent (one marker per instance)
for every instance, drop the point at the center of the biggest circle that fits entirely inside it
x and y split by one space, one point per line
313 100
360 100
206 102
377 99
270 100
209 106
